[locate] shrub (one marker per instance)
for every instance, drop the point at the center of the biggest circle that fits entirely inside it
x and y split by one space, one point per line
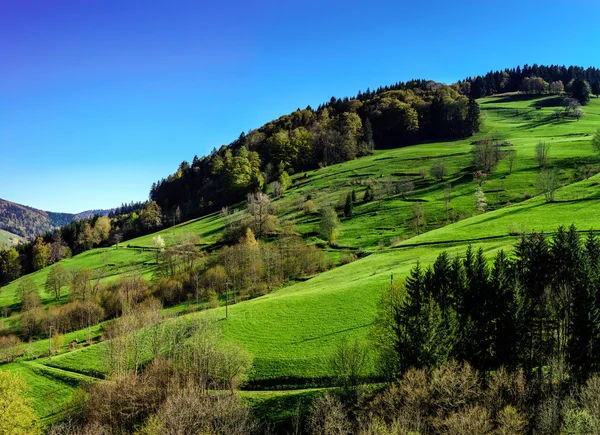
438 170
310 208
190 411
579 422
328 417
510 422
10 348
471 420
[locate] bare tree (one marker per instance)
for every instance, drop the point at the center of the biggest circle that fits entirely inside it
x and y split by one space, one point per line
548 183
261 212
349 362
486 154
512 159
405 187
438 170
542 149
418 216
447 198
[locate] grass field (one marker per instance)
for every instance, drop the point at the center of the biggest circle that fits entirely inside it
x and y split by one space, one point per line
9 239
292 331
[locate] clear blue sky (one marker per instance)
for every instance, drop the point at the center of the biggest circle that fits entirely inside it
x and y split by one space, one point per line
100 98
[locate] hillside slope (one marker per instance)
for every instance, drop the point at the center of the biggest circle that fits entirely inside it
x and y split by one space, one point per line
292 331
26 222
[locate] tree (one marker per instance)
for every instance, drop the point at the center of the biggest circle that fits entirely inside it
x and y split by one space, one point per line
480 201
548 183
581 91
11 266
596 141
596 88
447 198
158 243
368 134
405 187
17 417
85 239
39 254
285 182
418 216
438 170
57 279
409 325
542 149
151 216
101 230
511 158
260 210
348 205
486 154
28 292
349 362
56 249
369 195
329 225
578 113
81 286
473 119
557 87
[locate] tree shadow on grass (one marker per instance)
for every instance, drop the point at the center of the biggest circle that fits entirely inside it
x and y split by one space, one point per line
545 121
331 333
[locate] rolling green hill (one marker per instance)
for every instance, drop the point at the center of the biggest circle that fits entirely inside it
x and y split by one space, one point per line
292 331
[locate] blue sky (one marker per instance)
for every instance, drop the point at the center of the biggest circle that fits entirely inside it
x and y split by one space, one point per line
100 98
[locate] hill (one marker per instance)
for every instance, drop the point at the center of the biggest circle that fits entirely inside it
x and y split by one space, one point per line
25 222
292 331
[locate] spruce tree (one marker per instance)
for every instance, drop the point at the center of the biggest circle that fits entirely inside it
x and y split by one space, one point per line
532 271
503 315
348 206
592 251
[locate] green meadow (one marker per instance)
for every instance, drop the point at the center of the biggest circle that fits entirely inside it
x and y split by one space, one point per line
292 331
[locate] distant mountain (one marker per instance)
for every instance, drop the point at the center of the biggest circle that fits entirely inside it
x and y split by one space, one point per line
28 222
89 213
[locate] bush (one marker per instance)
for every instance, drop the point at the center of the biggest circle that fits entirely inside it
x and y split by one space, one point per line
191 411
10 348
510 422
438 170
329 417
310 208
579 422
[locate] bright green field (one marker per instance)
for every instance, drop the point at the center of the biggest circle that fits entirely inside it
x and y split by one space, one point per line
292 332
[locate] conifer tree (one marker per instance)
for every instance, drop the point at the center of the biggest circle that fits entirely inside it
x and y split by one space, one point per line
348 206
503 315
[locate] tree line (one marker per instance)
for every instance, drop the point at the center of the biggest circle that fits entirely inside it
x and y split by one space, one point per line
537 310
125 222
534 79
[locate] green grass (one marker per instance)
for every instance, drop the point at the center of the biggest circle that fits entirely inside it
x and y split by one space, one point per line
51 389
292 332
9 239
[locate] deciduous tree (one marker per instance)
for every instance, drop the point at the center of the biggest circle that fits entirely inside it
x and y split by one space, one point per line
329 225
57 279
16 415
